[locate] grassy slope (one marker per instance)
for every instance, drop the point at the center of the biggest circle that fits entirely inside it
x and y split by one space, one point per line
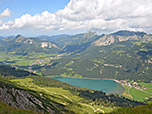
147 109
70 101
58 108
6 109
56 93
74 102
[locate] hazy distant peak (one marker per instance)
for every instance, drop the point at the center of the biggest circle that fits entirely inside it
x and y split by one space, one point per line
89 34
129 33
52 38
17 36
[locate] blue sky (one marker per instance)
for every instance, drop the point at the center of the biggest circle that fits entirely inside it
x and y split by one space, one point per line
21 7
51 17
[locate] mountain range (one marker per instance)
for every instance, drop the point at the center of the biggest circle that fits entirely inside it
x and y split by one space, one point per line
25 61
119 55
51 38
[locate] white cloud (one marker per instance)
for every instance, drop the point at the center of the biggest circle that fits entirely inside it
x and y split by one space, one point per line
5 13
101 15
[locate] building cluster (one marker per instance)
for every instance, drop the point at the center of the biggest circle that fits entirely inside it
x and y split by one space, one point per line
39 62
2 57
115 66
133 84
149 61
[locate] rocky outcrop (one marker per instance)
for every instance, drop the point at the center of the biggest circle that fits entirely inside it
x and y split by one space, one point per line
28 41
48 45
20 39
147 37
21 99
89 34
105 40
112 38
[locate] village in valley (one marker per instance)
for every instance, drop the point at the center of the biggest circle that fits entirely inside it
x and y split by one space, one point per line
132 84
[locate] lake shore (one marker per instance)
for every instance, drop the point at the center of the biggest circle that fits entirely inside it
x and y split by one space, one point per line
117 90
85 78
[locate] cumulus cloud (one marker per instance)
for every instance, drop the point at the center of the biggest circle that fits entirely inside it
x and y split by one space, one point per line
5 13
101 15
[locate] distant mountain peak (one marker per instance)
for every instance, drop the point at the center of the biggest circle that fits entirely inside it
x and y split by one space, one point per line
17 36
128 33
52 38
90 34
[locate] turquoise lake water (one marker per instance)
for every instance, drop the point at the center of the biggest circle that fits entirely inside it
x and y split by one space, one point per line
107 86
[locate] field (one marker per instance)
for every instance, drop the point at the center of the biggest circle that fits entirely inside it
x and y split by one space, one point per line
27 60
138 94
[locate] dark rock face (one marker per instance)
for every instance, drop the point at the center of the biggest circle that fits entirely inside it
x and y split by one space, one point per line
23 100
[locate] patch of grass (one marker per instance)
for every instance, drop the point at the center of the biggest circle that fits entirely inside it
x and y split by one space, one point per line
148 85
147 109
126 93
23 62
138 94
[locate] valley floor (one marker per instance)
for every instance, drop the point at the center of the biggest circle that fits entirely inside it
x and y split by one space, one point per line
140 92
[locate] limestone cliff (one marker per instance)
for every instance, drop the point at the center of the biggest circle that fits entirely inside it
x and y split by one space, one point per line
105 40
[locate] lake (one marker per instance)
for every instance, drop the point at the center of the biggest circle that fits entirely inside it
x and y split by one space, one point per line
107 86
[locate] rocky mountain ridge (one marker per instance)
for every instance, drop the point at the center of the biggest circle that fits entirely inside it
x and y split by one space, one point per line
44 44
21 45
80 39
121 36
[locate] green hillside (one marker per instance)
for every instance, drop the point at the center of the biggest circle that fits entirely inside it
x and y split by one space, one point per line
124 55
124 60
41 94
16 72
121 55
21 97
20 45
136 110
